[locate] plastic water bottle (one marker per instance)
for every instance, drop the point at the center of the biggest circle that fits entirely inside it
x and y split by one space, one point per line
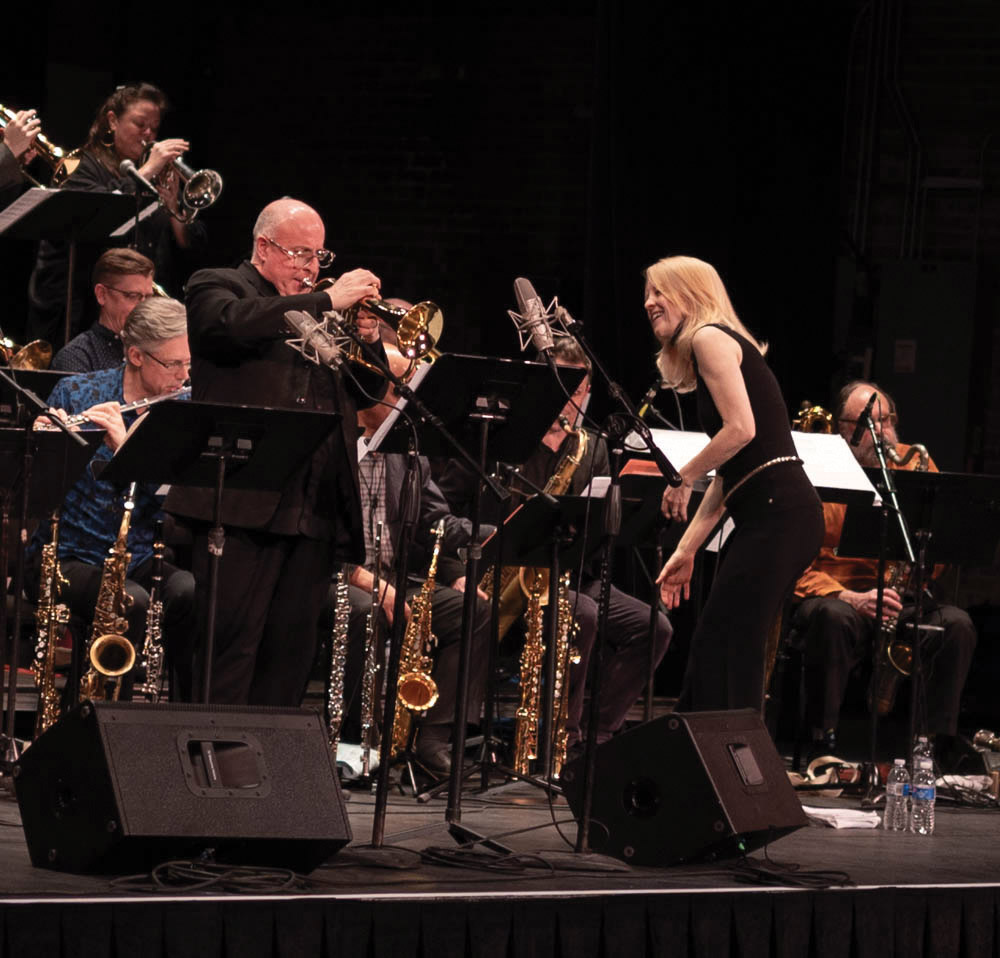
897 793
922 748
922 795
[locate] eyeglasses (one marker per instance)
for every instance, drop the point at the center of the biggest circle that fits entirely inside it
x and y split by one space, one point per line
303 257
131 295
170 364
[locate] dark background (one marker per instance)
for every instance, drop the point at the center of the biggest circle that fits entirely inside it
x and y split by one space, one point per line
836 162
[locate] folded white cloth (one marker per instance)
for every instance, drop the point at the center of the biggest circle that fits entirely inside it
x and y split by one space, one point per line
842 817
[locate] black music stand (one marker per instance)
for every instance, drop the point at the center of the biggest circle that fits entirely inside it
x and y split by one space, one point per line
55 462
957 518
496 409
39 381
222 446
72 215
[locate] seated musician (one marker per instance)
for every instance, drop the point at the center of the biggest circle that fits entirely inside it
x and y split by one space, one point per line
123 278
381 477
627 655
157 363
837 613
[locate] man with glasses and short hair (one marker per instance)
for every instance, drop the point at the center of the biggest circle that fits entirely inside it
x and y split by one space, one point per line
282 547
123 278
836 615
157 363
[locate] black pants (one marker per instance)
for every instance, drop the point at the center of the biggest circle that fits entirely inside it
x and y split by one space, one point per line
270 594
779 530
837 637
626 657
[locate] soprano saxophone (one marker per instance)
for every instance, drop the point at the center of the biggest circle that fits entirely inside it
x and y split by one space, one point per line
109 651
152 649
417 690
52 617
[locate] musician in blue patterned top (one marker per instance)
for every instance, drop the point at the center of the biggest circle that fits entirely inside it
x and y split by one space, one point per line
157 363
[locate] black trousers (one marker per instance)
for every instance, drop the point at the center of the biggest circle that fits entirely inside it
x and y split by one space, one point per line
837 638
270 594
779 530
626 657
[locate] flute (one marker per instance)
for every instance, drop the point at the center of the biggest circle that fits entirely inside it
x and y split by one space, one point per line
82 417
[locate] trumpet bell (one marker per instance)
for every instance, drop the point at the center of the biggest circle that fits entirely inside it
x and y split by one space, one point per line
419 330
202 189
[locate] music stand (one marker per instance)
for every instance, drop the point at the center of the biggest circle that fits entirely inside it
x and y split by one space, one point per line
73 215
204 444
39 381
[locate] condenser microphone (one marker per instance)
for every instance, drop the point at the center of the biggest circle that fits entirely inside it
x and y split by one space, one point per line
533 313
317 343
128 168
862 423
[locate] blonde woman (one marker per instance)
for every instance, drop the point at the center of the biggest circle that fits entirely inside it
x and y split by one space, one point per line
759 480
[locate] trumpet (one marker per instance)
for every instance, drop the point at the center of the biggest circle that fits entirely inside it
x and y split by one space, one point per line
200 189
62 163
418 330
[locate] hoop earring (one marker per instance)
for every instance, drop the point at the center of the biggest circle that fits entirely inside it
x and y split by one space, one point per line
108 138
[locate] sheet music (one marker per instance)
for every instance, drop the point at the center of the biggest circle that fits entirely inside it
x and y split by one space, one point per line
371 443
130 222
23 205
678 446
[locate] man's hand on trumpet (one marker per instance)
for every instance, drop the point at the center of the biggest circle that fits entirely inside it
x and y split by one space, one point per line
353 286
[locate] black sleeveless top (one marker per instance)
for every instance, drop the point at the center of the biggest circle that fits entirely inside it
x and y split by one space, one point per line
773 435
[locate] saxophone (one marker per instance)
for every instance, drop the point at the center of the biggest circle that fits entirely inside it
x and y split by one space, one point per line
152 648
416 690
566 655
338 660
894 653
52 617
109 651
516 582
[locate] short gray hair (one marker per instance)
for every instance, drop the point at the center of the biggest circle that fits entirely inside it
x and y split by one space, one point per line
154 320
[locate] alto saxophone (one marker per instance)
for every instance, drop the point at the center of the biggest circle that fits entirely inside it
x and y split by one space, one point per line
416 691
152 648
894 653
109 651
52 617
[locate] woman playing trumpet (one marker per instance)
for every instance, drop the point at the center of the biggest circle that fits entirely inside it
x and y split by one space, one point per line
758 479
125 128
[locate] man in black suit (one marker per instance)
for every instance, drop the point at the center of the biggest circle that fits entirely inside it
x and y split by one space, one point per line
281 547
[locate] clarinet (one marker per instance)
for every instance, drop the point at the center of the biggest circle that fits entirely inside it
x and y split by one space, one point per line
338 660
371 663
152 649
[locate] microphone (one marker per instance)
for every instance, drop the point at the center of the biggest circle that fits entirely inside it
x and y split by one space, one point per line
128 168
533 320
317 343
862 423
647 400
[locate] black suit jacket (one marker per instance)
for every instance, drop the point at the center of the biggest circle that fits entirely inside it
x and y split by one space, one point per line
237 333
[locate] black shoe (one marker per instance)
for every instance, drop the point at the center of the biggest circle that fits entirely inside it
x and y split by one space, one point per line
433 749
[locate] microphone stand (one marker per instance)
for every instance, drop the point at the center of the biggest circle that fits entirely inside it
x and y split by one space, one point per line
395 649
616 428
8 741
892 505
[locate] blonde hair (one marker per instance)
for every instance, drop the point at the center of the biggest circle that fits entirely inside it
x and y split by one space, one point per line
697 291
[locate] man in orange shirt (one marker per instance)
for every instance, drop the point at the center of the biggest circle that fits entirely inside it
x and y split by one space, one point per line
836 617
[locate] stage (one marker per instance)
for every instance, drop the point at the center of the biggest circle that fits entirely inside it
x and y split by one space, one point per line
899 895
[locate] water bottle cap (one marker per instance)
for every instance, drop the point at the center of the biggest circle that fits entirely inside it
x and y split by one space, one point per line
900 761
925 763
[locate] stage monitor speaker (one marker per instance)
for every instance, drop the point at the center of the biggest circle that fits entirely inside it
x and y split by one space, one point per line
121 786
687 787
